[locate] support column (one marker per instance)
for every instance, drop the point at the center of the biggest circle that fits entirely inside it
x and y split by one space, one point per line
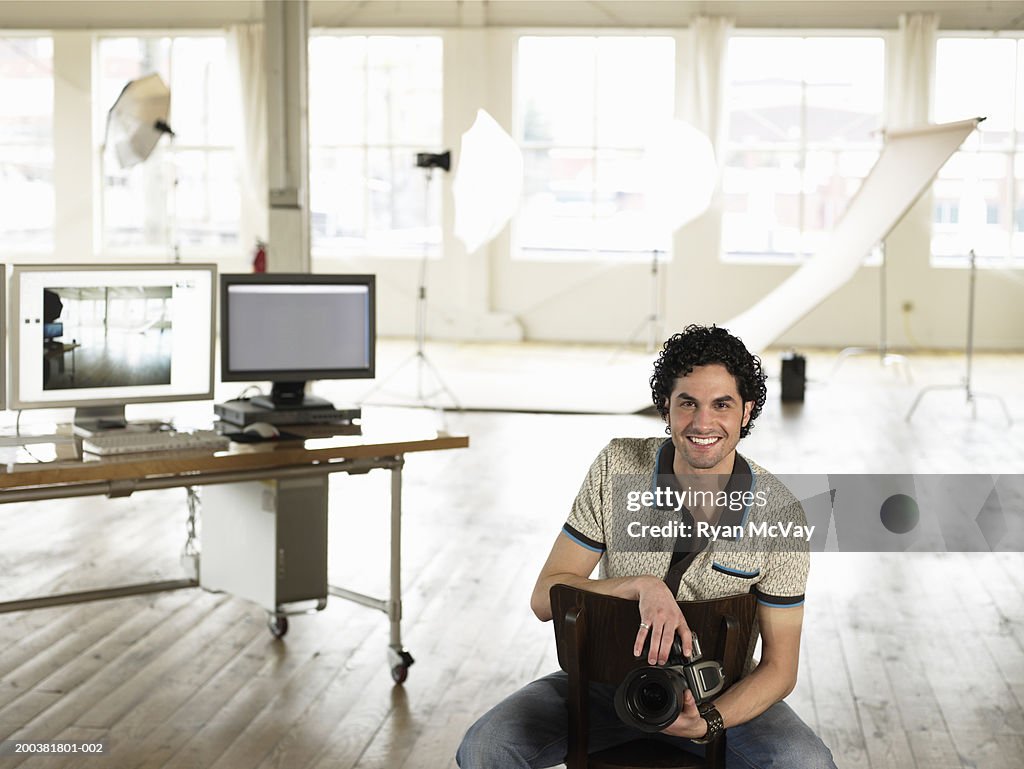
286 25
73 152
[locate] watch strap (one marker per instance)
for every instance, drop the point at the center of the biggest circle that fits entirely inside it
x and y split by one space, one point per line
714 721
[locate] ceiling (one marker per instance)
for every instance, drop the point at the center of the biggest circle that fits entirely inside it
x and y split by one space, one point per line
995 15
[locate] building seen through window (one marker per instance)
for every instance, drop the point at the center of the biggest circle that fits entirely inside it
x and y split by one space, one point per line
26 144
804 115
978 196
585 109
374 103
186 193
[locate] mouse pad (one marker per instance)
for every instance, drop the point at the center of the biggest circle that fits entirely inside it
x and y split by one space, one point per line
257 438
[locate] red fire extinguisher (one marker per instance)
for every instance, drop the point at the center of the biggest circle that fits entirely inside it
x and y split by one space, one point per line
259 259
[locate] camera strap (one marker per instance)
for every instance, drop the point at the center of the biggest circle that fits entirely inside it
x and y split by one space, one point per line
684 553
680 563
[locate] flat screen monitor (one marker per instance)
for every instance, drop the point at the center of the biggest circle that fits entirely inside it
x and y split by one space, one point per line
288 328
3 336
97 337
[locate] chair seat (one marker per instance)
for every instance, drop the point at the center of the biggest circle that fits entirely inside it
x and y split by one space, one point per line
644 754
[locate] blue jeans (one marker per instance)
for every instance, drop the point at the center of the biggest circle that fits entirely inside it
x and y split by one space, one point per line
527 730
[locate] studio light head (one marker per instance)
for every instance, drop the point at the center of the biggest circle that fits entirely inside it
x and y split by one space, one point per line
442 160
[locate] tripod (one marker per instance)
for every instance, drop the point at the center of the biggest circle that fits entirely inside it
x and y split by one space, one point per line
884 356
972 396
425 369
653 322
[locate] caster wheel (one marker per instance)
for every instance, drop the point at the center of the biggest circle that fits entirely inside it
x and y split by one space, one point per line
400 669
278 626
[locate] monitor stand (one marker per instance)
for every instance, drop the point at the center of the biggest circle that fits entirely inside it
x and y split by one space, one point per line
90 420
290 396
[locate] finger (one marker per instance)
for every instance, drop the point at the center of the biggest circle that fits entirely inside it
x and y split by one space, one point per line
654 650
686 637
689 704
665 645
641 636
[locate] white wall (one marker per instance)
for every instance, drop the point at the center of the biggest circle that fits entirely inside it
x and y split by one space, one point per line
489 295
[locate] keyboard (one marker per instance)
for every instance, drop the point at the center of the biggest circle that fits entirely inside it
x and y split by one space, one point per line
134 442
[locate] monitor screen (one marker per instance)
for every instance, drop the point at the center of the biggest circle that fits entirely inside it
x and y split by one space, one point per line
3 337
297 327
95 335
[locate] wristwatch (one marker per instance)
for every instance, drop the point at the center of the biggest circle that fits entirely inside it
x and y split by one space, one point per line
713 719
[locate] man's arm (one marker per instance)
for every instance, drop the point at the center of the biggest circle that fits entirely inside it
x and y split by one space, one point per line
768 683
572 564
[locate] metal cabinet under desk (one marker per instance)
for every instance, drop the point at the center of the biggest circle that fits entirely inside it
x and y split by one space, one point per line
266 541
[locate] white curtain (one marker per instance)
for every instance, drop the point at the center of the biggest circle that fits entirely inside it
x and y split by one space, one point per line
247 57
911 76
703 77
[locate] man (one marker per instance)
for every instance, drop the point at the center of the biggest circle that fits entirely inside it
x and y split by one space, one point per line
709 389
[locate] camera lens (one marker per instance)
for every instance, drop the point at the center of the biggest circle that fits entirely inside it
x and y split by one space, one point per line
653 697
650 698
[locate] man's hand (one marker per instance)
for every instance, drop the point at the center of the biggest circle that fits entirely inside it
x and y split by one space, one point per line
661 617
689 724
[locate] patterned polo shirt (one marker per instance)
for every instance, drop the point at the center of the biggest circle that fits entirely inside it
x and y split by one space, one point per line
774 569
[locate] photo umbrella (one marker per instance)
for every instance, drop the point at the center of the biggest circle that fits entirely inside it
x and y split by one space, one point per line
138 119
488 183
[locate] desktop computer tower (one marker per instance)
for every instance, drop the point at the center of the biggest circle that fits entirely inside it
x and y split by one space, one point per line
265 540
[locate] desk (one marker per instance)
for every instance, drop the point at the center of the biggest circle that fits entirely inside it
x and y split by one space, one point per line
285 465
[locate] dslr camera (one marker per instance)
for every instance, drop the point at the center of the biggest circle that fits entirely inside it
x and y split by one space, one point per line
650 698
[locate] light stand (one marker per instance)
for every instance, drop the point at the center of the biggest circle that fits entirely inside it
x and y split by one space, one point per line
653 322
972 396
679 178
884 356
175 242
425 369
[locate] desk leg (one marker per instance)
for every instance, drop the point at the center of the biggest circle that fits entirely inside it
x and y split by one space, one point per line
398 657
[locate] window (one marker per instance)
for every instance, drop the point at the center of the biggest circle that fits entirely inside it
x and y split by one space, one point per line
803 117
186 193
585 107
374 102
984 181
26 143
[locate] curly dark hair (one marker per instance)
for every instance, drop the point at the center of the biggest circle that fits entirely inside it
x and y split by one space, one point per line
702 346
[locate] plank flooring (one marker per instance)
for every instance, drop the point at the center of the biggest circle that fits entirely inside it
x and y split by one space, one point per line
910 660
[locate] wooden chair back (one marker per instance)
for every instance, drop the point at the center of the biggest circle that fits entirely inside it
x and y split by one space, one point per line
594 635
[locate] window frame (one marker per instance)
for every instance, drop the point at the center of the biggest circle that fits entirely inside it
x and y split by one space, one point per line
591 256
151 252
887 37
31 254
323 254
1012 154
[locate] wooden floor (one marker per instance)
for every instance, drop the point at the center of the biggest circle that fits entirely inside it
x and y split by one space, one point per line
909 660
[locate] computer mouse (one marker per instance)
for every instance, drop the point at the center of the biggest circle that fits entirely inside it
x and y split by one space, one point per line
262 429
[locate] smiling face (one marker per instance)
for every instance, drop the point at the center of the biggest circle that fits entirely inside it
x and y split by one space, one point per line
706 414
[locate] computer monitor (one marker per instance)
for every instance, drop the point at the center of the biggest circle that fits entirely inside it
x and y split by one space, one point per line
3 336
289 328
97 337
